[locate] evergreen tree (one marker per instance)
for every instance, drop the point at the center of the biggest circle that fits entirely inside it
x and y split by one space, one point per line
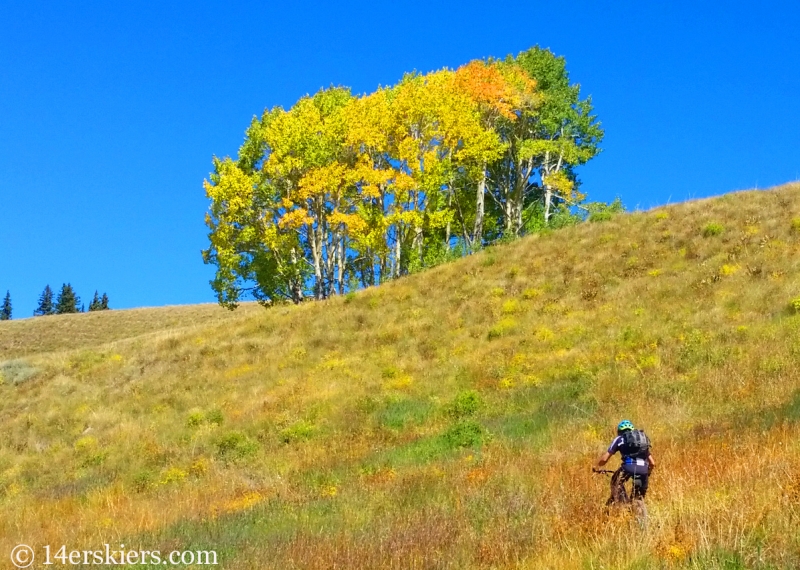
95 304
67 301
45 303
104 303
5 312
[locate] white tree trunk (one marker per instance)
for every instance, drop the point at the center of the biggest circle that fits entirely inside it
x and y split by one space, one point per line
480 198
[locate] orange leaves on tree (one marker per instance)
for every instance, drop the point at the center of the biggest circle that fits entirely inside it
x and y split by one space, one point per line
487 86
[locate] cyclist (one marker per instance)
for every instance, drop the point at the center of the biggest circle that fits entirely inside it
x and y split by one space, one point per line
637 461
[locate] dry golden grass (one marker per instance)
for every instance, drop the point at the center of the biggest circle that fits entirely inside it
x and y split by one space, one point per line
90 330
444 420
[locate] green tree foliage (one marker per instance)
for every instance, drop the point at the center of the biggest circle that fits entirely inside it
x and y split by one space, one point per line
545 146
342 189
98 303
45 306
95 304
67 301
5 311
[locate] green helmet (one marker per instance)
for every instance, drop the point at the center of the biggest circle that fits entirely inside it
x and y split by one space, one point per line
624 425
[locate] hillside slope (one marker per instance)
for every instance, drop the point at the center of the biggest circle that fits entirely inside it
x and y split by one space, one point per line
445 420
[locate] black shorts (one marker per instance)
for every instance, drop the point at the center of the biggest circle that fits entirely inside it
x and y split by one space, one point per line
639 476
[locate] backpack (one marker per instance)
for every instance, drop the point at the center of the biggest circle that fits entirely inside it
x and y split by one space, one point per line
635 444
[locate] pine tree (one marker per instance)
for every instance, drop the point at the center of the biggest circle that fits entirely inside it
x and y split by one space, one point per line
104 303
5 312
95 304
45 303
67 301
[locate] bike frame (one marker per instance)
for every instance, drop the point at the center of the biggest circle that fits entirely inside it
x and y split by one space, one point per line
618 492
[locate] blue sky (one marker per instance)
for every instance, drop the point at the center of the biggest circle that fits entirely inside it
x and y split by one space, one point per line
110 112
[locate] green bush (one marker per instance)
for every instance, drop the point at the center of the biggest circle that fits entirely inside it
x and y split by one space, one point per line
435 253
215 417
467 403
143 480
600 216
236 445
713 229
502 328
796 225
795 304
465 433
16 372
299 431
195 419
602 212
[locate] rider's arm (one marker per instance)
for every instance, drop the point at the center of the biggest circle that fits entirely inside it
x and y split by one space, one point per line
603 459
651 462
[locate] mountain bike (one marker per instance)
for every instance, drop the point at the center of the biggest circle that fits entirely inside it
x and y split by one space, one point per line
622 495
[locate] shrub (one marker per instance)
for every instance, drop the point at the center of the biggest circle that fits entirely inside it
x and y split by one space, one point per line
195 419
502 328
728 269
436 253
602 212
796 225
86 444
88 451
142 481
172 475
16 372
236 445
465 404
600 216
215 417
529 294
497 292
510 307
199 467
713 229
465 433
390 372
299 431
795 304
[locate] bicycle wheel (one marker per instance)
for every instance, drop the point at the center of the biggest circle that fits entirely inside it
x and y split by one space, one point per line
640 512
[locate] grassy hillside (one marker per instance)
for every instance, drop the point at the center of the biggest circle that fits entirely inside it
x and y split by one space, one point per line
445 420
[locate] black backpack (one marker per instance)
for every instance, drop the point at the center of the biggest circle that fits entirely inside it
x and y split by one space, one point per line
635 443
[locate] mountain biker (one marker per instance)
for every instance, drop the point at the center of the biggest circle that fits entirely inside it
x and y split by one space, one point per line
637 461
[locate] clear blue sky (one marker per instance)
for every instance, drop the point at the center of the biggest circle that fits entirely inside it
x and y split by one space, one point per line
110 112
